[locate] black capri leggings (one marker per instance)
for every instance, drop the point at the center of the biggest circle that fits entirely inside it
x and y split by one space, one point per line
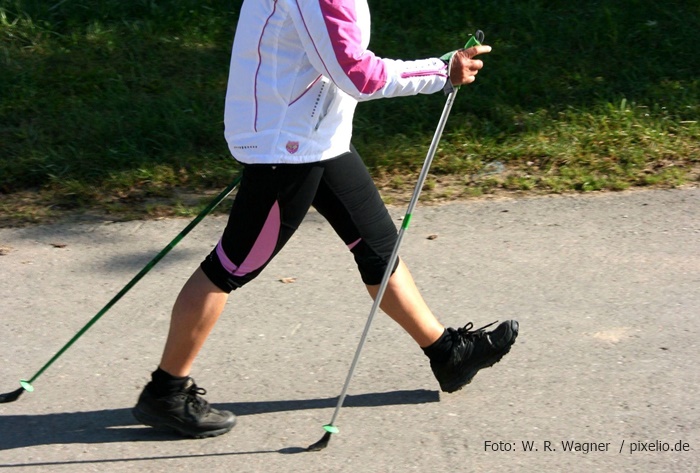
271 202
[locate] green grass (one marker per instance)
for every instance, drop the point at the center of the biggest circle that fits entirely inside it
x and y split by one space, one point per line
117 106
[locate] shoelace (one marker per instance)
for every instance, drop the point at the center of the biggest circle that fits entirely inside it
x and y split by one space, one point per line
467 331
198 404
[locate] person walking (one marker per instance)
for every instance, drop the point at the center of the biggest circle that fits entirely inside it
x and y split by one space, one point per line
298 69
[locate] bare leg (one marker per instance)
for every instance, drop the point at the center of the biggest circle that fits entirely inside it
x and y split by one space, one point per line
200 303
167 403
403 302
196 310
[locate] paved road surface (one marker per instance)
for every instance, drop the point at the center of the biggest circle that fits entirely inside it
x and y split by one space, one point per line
606 289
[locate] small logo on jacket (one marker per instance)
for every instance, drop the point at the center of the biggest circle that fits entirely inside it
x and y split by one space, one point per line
292 147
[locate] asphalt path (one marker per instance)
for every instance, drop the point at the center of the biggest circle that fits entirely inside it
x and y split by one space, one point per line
604 376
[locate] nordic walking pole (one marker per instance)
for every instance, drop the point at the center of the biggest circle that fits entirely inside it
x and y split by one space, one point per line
330 428
26 385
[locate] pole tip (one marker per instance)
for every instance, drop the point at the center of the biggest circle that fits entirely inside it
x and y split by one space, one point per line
12 396
321 444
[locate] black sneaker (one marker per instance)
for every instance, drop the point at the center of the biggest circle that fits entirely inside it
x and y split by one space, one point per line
184 412
473 350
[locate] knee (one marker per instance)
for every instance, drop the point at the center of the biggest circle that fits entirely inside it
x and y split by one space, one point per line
221 277
371 265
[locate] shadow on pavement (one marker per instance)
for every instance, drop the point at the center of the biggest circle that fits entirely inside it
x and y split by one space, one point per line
117 425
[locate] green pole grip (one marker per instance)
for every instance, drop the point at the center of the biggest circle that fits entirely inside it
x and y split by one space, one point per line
474 40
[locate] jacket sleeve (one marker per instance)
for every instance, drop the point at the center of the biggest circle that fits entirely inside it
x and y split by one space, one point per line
332 35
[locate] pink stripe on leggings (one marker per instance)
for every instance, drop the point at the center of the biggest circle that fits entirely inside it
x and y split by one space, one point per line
262 249
354 244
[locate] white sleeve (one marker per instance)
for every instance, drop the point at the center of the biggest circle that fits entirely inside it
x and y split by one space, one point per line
334 34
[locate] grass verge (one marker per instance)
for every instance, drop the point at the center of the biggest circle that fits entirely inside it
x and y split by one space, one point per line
115 108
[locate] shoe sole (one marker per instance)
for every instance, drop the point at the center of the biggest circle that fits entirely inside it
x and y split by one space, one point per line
467 377
160 424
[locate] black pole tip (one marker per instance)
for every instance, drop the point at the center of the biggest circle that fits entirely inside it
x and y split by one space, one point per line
321 444
11 397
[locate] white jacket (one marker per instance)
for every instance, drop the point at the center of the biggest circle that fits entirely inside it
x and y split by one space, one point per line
298 69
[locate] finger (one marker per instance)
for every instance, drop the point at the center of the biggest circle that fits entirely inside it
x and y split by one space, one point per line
475 64
476 50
